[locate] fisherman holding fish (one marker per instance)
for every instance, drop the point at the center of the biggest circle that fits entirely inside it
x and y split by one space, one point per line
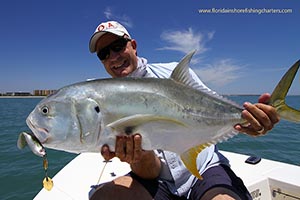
161 174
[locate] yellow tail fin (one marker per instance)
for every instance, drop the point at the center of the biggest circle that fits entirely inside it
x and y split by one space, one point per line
278 96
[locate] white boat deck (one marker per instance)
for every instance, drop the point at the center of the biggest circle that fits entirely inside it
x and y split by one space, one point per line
268 179
265 180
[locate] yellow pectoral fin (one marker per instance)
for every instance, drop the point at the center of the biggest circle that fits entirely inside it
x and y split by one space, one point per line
189 159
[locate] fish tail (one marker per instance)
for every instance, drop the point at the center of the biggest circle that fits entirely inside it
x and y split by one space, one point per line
279 94
189 159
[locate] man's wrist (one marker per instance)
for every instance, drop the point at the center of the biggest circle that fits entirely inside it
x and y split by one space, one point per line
148 167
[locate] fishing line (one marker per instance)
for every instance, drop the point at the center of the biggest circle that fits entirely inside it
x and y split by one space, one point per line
103 168
58 187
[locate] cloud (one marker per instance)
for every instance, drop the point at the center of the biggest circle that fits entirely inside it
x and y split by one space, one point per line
108 13
186 41
123 19
220 73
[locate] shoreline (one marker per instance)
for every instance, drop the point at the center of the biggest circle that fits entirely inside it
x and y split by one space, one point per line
21 97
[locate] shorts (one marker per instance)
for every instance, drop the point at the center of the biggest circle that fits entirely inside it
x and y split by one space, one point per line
218 176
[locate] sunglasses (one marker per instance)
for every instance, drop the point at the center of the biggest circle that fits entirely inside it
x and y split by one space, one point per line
115 46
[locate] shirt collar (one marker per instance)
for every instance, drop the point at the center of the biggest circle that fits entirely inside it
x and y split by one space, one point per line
141 69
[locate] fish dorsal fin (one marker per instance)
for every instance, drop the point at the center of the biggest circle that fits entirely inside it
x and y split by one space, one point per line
129 124
181 72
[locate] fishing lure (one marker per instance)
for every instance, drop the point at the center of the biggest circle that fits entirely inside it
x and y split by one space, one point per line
38 149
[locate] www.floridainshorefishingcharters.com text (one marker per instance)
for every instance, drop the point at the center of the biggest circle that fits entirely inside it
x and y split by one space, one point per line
245 11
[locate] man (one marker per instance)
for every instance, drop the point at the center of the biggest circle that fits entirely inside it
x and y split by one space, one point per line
161 174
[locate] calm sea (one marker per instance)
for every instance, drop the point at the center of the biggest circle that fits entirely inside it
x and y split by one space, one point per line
21 172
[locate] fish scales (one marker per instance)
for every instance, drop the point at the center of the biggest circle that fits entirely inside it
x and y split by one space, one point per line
162 97
169 96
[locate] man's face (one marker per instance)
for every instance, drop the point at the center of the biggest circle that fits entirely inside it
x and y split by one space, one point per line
120 63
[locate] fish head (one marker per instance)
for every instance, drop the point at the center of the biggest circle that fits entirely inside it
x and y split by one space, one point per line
65 122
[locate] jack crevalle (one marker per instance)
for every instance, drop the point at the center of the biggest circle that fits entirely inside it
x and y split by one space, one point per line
174 114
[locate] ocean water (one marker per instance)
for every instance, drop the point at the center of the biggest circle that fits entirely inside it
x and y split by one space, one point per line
21 172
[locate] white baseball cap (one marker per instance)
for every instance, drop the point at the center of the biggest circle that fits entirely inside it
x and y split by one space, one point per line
107 27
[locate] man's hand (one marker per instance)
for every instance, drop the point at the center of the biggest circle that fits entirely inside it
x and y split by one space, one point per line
129 149
260 116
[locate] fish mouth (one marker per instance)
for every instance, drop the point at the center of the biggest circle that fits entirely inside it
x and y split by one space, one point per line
42 134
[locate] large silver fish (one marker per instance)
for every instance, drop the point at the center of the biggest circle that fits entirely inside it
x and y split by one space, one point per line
174 114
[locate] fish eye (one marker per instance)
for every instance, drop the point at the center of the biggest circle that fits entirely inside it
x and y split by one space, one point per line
45 110
97 109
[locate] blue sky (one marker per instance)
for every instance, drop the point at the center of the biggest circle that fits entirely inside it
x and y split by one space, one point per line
44 44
